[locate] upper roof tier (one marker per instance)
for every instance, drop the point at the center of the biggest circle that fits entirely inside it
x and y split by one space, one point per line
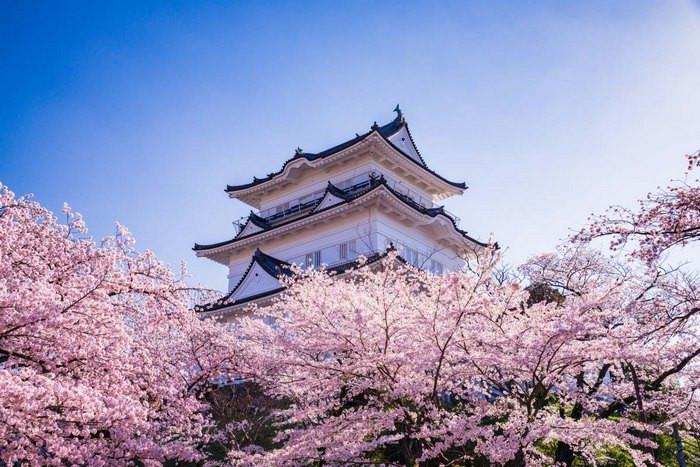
390 145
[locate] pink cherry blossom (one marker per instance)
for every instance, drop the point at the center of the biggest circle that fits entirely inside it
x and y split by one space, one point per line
102 362
452 368
666 218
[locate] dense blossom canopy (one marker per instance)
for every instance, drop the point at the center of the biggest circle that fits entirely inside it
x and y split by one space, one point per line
101 360
401 365
579 355
575 356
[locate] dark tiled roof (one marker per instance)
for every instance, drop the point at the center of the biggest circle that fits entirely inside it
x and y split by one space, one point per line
385 131
373 185
271 265
259 221
335 191
279 268
255 220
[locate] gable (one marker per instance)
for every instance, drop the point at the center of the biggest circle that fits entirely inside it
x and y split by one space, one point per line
328 200
249 229
402 140
255 282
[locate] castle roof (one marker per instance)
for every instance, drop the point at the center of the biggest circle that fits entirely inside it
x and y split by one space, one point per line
276 270
386 132
343 199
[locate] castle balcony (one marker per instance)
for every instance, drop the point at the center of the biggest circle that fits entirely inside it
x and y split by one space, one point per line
354 186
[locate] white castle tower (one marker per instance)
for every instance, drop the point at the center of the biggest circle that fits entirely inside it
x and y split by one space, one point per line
326 209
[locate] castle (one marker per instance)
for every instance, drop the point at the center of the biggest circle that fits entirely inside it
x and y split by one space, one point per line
325 209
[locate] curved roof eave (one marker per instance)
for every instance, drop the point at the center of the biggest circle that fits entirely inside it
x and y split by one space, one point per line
223 303
385 132
415 146
432 212
460 185
273 266
308 156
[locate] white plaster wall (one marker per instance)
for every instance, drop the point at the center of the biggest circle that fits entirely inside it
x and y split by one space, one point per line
372 229
316 182
387 228
257 281
317 188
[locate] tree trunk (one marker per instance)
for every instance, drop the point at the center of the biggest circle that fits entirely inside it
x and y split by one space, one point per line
680 454
564 454
407 448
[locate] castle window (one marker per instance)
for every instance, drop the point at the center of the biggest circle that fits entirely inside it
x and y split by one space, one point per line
313 259
281 208
347 249
412 256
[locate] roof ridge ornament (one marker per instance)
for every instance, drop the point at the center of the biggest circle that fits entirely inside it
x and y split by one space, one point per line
375 126
399 114
298 151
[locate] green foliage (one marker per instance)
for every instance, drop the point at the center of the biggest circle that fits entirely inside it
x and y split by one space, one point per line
692 450
613 457
666 452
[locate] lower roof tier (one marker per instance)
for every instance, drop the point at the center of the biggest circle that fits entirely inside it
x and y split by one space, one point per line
263 279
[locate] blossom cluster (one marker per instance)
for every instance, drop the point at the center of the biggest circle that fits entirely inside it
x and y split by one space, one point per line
102 362
576 353
396 363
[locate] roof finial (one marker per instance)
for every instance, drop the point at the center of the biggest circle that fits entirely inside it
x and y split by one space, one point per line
399 114
375 126
298 151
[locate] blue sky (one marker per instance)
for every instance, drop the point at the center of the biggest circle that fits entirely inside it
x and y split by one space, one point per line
143 113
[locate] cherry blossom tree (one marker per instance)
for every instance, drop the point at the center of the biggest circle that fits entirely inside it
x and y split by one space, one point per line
653 321
580 356
396 365
665 219
102 362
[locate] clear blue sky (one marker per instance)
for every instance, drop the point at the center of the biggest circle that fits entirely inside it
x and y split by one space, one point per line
142 113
